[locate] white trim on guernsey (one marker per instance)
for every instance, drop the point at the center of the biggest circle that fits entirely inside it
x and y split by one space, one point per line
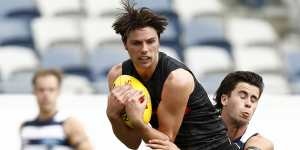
37 132
42 147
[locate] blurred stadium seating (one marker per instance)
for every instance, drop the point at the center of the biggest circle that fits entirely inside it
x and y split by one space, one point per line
76 36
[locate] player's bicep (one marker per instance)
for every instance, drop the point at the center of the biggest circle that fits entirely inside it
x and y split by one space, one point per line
169 120
175 95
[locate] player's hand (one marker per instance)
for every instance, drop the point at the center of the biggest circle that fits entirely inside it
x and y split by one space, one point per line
116 101
135 107
158 144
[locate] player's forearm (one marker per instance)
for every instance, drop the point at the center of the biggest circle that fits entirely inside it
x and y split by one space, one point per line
149 133
125 134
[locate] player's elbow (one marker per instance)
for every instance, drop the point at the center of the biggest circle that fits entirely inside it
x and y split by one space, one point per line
269 145
170 137
132 145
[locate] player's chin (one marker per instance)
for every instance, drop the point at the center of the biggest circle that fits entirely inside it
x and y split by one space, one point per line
145 65
244 121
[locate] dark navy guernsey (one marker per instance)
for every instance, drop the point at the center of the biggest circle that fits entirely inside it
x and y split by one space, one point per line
45 135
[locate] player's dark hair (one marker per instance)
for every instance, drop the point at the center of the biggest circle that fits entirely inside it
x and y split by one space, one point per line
232 79
132 18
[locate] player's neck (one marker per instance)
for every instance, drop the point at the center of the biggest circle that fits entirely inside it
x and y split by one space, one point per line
235 129
147 73
45 115
236 132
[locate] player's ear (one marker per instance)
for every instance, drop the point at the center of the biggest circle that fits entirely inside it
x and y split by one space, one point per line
224 99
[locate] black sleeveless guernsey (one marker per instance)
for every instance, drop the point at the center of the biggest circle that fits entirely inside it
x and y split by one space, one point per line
201 128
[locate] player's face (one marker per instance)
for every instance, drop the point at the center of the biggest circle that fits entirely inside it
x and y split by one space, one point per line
46 91
242 103
142 45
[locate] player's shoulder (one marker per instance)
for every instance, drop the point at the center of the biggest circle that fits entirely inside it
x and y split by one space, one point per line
115 71
181 75
71 121
28 123
180 78
260 141
259 137
72 124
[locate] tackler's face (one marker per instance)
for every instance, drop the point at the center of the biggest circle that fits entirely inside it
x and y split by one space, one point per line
241 104
143 46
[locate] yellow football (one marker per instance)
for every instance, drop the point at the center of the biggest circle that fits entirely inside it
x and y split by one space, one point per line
136 84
